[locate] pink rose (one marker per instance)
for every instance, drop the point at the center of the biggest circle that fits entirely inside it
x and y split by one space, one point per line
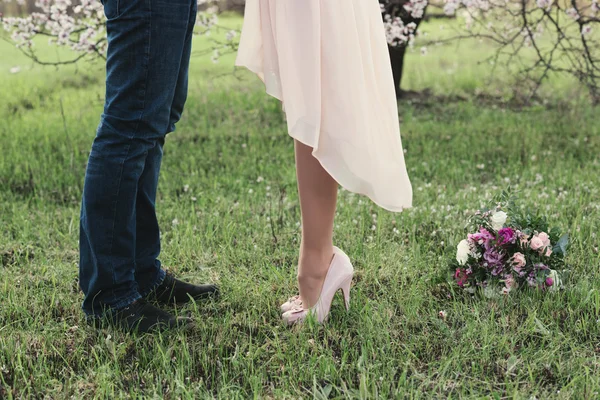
518 260
545 238
548 252
510 282
536 243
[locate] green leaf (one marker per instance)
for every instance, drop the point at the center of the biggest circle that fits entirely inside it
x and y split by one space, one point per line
562 244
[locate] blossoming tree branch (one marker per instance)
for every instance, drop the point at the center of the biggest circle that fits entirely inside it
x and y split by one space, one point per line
80 26
533 38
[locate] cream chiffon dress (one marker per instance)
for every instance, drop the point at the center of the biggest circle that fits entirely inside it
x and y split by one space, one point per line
328 62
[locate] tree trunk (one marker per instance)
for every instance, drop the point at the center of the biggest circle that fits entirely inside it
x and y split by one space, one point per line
397 58
233 5
397 9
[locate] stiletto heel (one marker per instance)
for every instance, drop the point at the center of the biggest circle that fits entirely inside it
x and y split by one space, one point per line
346 292
339 277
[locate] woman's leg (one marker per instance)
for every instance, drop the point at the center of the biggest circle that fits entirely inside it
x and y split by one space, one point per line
318 197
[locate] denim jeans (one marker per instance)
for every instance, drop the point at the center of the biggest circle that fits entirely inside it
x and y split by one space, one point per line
149 46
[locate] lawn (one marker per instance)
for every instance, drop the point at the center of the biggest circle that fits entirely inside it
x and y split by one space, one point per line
229 212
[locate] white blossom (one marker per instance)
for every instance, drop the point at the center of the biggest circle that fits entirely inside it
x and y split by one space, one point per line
586 30
572 13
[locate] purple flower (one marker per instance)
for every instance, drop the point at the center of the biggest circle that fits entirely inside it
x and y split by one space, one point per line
481 237
493 257
497 270
519 270
549 281
506 235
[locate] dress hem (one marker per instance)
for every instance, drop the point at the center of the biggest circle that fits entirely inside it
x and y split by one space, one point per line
258 71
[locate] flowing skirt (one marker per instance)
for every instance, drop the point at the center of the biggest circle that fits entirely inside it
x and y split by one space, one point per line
328 63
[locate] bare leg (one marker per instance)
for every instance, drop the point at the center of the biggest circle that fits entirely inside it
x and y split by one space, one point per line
318 198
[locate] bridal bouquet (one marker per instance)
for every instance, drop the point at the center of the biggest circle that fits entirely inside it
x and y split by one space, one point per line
509 249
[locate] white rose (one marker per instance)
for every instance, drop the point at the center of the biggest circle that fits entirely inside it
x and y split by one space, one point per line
462 252
498 220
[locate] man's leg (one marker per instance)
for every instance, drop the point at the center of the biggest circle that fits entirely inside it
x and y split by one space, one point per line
170 290
181 91
148 272
146 43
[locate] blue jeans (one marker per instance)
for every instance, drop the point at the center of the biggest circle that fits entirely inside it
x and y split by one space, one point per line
149 47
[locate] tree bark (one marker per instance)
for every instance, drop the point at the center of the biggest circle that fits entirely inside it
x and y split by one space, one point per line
234 5
397 58
396 9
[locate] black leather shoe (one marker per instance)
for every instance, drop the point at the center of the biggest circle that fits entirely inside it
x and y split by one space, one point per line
174 291
142 317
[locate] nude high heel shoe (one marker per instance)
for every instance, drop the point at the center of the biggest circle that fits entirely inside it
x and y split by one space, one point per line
339 277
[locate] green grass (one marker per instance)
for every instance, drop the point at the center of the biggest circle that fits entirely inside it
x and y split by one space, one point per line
230 228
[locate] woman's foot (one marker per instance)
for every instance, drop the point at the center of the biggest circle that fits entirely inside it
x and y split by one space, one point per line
312 270
337 277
